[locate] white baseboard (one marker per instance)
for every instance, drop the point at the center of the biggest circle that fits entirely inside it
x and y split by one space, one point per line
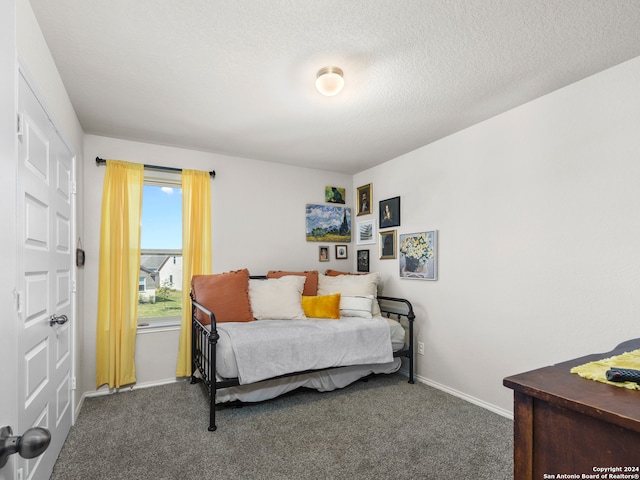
476 401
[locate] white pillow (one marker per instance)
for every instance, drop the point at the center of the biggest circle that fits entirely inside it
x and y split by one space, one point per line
277 298
360 285
356 306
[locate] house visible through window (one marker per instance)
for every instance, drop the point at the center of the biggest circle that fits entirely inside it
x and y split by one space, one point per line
160 287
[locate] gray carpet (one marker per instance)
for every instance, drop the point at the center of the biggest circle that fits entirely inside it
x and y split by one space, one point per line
380 429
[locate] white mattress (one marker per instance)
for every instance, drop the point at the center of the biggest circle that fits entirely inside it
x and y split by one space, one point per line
226 362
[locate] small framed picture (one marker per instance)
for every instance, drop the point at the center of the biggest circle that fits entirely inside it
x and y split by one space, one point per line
389 212
365 233
323 254
334 195
364 199
341 252
388 244
363 261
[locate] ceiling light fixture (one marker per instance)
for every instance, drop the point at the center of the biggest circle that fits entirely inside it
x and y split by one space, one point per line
329 81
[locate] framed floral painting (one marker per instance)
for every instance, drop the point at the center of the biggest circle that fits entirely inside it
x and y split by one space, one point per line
418 255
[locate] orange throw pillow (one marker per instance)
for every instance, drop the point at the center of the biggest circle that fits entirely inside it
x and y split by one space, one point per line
336 273
322 306
310 284
225 294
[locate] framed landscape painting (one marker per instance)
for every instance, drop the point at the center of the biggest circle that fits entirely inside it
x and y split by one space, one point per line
328 223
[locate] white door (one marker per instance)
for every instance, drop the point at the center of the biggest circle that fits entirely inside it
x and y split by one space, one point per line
8 327
45 280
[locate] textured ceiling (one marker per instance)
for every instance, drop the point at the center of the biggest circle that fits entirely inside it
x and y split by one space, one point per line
237 76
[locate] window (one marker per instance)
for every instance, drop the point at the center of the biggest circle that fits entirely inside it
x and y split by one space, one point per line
160 295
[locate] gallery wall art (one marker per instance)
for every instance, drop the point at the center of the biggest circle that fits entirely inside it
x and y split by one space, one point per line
334 195
389 211
418 255
365 194
328 223
365 233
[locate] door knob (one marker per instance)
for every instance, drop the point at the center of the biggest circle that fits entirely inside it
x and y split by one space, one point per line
58 320
33 443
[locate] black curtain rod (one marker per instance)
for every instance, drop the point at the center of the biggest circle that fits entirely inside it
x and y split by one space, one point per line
102 161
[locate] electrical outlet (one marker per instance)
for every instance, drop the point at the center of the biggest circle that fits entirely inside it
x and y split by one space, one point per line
420 348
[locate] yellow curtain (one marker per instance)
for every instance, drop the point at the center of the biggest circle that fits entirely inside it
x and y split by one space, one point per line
196 251
119 273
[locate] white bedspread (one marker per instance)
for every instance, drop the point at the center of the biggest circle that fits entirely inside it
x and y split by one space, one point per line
268 348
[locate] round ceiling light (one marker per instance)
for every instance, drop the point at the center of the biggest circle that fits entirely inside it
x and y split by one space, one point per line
329 81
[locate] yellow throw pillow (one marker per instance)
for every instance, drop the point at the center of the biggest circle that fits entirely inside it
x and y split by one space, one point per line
322 306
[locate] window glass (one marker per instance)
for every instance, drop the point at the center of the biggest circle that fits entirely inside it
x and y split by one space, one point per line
160 295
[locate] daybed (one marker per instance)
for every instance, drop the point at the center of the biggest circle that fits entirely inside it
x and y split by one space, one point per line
254 338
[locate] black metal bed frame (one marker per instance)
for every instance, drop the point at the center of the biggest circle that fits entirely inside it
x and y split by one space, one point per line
204 341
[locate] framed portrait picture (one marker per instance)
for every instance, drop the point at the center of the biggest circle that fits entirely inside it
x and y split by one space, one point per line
328 223
363 261
365 194
389 212
418 255
365 234
334 195
388 244
341 252
323 254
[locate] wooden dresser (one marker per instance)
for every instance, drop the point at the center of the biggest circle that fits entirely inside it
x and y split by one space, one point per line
567 425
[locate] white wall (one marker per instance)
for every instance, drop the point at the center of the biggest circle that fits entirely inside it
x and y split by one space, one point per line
258 222
538 214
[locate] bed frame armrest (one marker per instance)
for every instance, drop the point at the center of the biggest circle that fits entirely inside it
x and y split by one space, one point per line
198 306
401 308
